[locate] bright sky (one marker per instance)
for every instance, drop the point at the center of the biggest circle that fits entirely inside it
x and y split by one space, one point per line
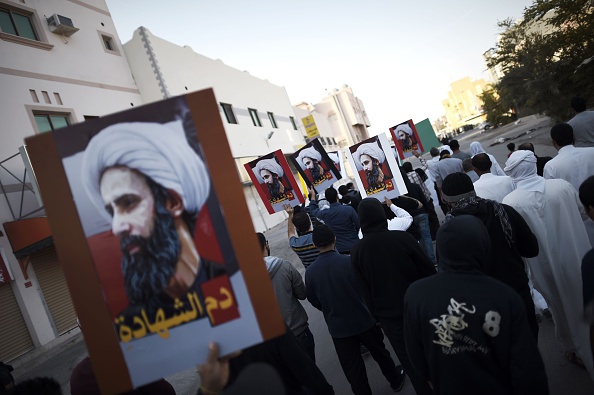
398 56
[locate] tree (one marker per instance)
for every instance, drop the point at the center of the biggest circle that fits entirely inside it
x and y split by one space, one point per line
540 56
497 112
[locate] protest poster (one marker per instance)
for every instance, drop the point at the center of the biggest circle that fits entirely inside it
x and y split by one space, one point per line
337 157
377 172
315 166
158 251
406 139
274 181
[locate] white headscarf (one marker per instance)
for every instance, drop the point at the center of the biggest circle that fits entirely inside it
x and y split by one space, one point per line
268 164
521 167
333 157
309 152
404 128
159 151
476 148
371 149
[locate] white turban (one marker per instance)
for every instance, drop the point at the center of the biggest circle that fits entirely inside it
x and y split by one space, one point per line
404 128
521 167
371 149
333 157
268 164
476 148
159 151
309 152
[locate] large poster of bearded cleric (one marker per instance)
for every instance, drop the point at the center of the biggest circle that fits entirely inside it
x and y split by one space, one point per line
274 181
149 192
315 166
406 139
377 173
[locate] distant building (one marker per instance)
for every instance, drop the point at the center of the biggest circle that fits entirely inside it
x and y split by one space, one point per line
54 72
463 105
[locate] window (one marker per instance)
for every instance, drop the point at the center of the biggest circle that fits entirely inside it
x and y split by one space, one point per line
228 110
323 141
17 23
49 122
293 122
109 43
21 25
272 120
333 141
255 117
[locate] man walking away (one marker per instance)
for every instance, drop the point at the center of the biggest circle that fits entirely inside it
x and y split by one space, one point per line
455 146
465 332
332 288
289 289
299 228
490 186
582 123
387 263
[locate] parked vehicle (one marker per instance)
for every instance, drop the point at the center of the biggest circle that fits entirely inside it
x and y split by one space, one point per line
485 126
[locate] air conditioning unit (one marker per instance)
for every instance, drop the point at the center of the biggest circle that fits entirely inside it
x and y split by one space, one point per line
61 25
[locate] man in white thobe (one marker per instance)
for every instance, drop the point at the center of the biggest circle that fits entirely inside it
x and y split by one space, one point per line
553 211
572 164
490 186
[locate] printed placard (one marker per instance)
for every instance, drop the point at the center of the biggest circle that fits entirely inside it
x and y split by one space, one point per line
406 139
274 181
315 166
158 251
337 157
377 173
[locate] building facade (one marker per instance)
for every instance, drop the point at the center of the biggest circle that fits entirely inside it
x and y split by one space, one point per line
61 62
463 105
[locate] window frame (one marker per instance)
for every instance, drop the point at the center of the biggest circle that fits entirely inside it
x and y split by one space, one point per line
255 117
103 37
228 110
272 120
293 123
32 111
41 42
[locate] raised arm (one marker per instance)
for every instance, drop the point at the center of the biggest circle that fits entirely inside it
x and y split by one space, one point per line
403 219
291 231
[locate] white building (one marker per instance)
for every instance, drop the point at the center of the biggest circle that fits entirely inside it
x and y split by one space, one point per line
257 114
51 76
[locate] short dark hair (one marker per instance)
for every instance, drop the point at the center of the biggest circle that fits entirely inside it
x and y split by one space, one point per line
587 192
454 145
331 195
511 146
578 104
301 222
482 162
346 199
562 134
526 147
323 236
407 166
350 185
342 190
444 154
262 240
434 151
467 165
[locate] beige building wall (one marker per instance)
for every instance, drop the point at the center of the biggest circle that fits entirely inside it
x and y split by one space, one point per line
463 105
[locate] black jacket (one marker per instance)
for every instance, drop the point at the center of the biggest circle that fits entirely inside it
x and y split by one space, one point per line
465 332
386 262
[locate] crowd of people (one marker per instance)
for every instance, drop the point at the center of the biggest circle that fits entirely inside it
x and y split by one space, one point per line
459 301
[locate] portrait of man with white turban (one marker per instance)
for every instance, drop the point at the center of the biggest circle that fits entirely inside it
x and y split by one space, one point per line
310 160
406 139
369 157
147 181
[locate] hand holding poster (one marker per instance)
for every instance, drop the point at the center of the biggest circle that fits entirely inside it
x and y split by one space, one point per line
315 166
406 139
274 181
377 174
135 202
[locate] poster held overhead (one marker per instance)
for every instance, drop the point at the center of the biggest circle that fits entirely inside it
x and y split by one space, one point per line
315 166
377 173
406 139
156 248
337 157
274 181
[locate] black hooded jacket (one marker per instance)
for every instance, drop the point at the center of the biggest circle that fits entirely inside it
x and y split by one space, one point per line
505 262
466 332
386 262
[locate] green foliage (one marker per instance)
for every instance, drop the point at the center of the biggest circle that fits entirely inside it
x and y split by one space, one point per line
541 58
497 112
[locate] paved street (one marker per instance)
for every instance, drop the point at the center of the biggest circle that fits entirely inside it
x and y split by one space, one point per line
564 378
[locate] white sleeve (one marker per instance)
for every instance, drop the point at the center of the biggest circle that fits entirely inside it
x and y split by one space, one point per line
402 221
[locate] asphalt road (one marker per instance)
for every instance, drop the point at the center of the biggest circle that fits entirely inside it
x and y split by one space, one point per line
564 378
